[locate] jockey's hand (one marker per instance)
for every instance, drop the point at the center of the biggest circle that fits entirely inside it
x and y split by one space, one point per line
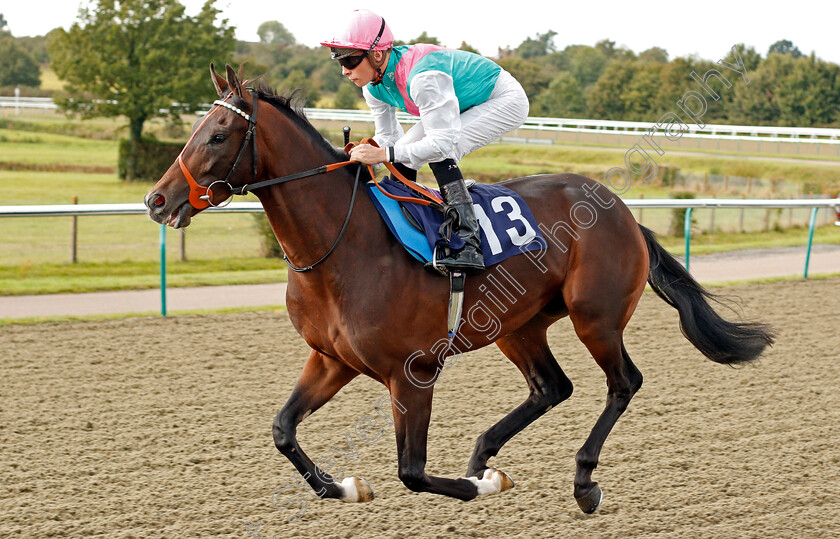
369 155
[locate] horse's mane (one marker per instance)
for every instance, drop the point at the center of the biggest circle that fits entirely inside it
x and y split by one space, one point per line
291 104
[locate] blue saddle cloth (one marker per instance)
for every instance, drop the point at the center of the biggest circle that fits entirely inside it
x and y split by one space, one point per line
507 225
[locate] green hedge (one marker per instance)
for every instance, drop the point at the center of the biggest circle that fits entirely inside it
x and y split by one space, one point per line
151 159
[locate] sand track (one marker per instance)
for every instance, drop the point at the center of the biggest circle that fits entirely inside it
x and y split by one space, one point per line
153 427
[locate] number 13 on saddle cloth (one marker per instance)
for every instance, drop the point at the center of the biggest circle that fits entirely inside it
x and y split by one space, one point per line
507 225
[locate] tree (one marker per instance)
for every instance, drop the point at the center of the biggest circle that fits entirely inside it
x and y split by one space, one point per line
467 47
529 74
562 99
585 63
803 92
425 38
298 80
542 45
606 98
35 46
347 96
17 66
274 33
748 55
758 102
3 26
328 77
654 54
639 96
138 58
607 47
785 46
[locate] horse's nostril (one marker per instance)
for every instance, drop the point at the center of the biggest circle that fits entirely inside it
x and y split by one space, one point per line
159 201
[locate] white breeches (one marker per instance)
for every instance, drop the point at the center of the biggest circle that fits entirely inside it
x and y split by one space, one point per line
482 124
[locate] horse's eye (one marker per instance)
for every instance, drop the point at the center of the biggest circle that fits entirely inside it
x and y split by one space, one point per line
218 139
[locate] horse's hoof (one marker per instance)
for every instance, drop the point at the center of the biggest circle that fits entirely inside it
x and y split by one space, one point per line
590 500
505 480
493 482
356 490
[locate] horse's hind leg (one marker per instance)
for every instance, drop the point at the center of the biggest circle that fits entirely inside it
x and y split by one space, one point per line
603 339
411 423
528 349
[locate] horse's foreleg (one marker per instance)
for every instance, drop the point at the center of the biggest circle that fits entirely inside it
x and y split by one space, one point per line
528 349
320 380
412 425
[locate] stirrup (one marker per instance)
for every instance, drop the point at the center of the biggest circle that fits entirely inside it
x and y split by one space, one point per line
438 265
457 281
433 266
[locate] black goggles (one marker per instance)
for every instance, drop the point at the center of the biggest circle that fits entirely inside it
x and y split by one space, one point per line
351 62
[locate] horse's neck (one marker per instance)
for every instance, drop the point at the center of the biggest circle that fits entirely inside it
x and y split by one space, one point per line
306 214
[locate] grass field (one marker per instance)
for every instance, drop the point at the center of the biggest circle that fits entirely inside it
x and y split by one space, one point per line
510 161
46 148
54 278
49 80
64 158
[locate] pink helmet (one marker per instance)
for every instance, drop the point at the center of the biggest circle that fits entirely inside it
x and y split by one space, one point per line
366 31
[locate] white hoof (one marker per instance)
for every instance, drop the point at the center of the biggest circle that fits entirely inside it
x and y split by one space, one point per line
493 482
356 490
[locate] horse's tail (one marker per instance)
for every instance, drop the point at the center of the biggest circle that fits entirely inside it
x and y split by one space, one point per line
719 340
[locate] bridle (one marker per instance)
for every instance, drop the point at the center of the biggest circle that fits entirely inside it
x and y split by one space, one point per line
202 197
201 201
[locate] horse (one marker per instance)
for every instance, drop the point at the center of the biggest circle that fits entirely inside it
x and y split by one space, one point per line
366 307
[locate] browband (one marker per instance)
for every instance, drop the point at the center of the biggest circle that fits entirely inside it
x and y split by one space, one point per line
234 108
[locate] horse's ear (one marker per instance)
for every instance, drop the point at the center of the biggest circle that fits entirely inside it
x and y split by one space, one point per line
233 81
219 82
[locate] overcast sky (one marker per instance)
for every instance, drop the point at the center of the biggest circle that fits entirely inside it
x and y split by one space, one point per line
707 28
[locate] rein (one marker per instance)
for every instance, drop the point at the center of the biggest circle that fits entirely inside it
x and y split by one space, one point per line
430 198
340 232
200 197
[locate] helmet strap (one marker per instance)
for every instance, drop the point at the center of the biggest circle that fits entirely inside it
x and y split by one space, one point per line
379 75
378 37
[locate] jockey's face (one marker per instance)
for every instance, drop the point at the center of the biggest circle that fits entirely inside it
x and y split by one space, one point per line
364 73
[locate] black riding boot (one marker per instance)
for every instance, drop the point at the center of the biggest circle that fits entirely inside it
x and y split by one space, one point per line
455 194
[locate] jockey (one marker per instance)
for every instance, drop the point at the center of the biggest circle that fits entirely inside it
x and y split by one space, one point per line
464 101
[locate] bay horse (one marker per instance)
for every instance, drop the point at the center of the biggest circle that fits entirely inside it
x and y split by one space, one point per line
369 307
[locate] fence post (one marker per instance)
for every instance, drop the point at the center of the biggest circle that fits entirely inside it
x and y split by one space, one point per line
687 237
163 270
183 256
641 210
741 219
810 240
74 235
712 219
790 214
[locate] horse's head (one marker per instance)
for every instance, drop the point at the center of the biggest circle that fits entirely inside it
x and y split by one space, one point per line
220 154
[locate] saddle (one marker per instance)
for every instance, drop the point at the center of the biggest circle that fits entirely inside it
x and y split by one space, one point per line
508 227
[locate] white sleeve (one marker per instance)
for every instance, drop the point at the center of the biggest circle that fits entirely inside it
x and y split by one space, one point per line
387 129
440 114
